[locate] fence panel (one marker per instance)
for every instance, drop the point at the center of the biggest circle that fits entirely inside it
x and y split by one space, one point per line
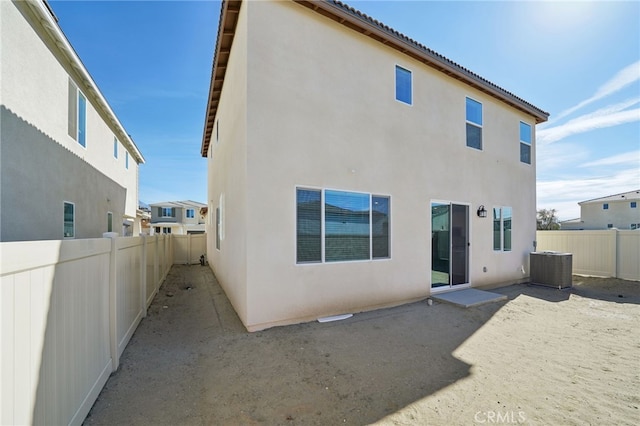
606 253
129 288
54 332
152 275
629 255
187 249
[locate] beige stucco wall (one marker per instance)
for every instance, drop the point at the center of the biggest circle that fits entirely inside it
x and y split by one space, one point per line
35 88
619 214
321 113
227 177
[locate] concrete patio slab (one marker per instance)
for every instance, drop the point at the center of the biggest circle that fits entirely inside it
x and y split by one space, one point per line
469 297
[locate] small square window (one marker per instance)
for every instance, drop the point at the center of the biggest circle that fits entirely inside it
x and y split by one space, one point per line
634 204
605 206
403 85
190 213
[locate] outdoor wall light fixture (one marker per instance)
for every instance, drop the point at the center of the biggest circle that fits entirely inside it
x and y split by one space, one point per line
482 212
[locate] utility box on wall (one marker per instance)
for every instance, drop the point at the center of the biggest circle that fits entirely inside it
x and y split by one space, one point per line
551 269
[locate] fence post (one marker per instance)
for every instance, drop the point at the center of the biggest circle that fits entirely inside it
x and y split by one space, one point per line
143 276
156 264
113 301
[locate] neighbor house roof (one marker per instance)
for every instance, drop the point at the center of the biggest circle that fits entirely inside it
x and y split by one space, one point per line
365 25
625 196
49 22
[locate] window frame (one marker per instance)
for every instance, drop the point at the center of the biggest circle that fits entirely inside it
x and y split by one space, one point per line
64 220
397 94
115 147
126 160
193 213
164 212
605 206
77 114
503 228
523 142
323 259
109 221
469 122
633 204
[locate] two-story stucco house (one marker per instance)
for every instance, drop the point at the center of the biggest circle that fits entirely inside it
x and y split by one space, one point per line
351 168
621 211
178 217
68 168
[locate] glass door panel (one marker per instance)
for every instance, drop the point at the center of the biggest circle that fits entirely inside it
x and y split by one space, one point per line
440 247
459 244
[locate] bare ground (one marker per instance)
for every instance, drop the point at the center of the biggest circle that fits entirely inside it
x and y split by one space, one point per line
542 357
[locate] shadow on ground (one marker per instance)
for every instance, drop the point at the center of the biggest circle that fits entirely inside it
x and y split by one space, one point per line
192 362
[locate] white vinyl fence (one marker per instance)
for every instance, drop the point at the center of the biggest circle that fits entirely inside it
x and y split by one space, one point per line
67 311
607 253
188 248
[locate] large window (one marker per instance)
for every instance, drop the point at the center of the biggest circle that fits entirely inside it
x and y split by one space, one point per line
403 85
69 220
502 228
166 212
525 143
77 114
337 226
474 123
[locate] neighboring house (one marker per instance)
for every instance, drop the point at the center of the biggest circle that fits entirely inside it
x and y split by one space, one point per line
621 211
178 217
351 168
68 168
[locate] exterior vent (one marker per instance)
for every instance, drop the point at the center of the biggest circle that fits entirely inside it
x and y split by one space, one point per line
551 269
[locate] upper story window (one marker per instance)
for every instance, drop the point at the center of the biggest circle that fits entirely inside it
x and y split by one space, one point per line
109 222
474 123
217 131
69 220
634 204
77 115
403 85
190 213
166 212
605 206
502 217
525 143
115 148
126 160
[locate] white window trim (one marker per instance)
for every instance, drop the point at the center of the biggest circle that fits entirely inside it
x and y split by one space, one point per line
502 249
395 94
481 126
322 226
530 144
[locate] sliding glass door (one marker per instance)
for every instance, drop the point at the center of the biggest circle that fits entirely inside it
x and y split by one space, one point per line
449 244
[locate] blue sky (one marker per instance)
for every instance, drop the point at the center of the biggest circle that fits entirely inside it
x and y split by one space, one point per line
580 61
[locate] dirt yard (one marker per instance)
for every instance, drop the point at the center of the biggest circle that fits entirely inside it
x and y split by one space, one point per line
543 357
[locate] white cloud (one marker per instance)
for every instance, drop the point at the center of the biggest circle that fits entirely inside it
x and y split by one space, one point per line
587 123
623 78
564 194
630 158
